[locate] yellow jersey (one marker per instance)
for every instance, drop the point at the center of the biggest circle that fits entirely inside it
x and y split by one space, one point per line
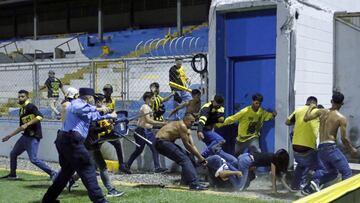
111 105
250 122
305 133
182 75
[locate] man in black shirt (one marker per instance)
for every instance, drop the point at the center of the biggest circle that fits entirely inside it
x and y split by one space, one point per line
53 86
30 118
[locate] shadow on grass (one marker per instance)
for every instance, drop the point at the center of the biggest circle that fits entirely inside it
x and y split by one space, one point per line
37 186
79 192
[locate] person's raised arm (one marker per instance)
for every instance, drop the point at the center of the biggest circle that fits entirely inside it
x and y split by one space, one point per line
234 118
290 120
165 99
311 115
182 105
344 139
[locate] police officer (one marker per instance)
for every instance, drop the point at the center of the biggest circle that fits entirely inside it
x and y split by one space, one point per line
73 156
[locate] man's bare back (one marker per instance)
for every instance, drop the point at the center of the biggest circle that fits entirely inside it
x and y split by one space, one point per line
171 131
330 121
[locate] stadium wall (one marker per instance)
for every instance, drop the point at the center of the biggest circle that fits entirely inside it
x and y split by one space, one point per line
304 51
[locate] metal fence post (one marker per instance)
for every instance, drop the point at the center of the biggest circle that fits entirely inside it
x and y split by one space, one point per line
126 83
94 75
36 88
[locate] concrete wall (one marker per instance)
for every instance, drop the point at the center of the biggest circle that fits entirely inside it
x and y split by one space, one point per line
315 48
314 56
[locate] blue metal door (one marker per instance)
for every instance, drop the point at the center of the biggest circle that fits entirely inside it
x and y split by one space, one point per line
252 76
246 48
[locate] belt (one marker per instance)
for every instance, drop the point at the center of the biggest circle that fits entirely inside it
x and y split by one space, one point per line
328 142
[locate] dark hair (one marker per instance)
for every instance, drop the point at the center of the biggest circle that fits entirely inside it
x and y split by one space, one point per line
24 92
219 99
155 84
319 106
337 97
147 95
99 97
108 87
195 92
311 99
257 97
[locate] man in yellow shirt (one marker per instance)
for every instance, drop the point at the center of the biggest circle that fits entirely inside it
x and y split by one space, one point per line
251 119
177 75
304 143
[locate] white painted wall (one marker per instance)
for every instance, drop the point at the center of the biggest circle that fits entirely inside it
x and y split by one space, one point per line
340 5
314 56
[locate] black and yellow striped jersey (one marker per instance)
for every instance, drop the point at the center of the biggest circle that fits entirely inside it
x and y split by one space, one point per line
158 108
209 115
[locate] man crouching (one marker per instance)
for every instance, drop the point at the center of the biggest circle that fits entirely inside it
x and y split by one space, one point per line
165 144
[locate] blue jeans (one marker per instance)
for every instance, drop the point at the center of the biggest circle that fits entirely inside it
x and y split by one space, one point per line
185 96
306 162
30 145
333 161
148 134
244 162
211 138
181 157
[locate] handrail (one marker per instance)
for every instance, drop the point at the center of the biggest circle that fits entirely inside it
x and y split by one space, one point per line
41 51
69 40
5 45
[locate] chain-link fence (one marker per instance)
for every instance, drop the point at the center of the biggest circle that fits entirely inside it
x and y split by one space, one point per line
130 78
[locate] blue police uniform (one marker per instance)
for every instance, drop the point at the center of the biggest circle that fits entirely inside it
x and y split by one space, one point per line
73 156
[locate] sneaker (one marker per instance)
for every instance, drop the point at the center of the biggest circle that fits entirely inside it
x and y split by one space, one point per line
197 187
160 170
124 169
10 177
307 190
314 186
115 193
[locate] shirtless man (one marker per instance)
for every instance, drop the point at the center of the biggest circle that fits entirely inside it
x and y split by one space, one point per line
193 106
145 128
165 144
332 159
